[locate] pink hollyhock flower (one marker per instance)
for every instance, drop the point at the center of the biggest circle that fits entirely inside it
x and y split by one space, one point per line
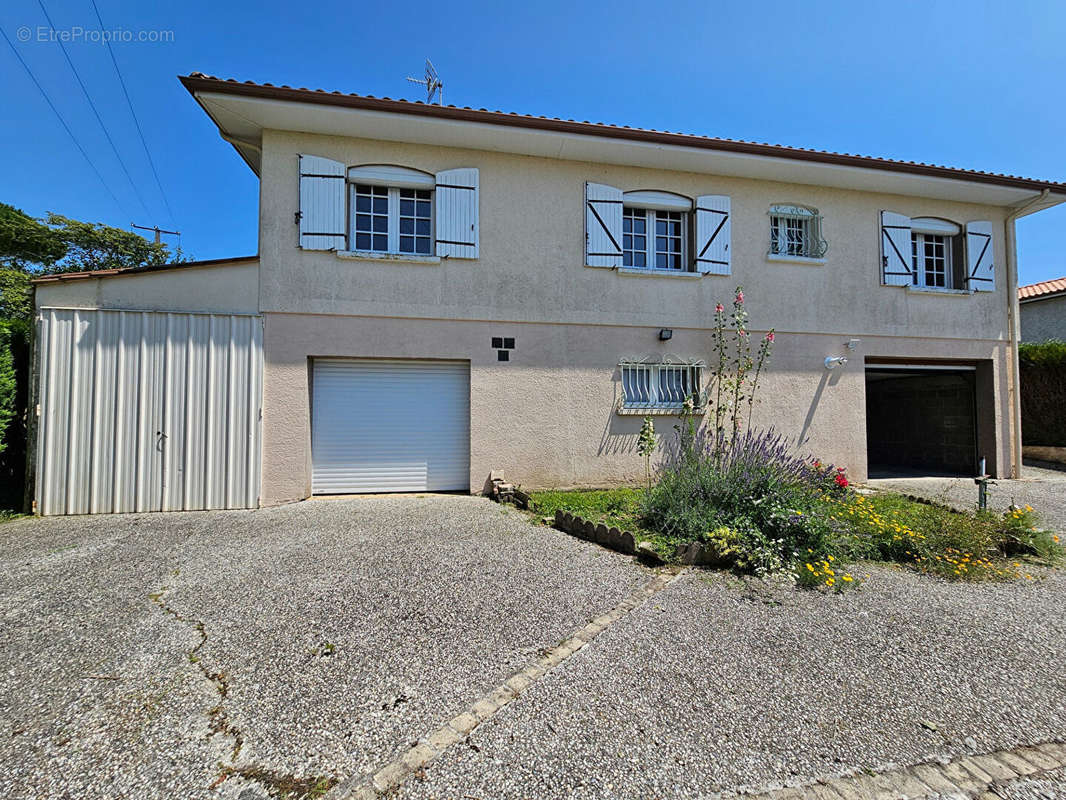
740 297
770 336
719 308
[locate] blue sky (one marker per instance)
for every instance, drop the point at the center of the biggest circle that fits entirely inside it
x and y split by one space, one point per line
976 84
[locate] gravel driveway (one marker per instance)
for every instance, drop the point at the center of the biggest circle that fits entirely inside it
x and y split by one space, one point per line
318 641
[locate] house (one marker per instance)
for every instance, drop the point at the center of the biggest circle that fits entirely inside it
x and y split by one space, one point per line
1043 310
445 292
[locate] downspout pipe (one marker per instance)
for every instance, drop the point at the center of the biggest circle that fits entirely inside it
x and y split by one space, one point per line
1014 335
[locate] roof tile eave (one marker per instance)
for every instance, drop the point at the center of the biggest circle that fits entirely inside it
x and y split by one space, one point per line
198 81
1042 289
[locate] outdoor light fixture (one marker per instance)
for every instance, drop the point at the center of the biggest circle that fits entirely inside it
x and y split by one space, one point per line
853 343
832 362
665 334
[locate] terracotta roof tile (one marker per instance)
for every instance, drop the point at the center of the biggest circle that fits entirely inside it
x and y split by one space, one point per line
1054 286
198 81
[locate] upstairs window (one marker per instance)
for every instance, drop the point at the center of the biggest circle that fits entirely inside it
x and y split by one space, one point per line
655 231
392 210
936 254
653 239
659 386
392 220
796 231
376 209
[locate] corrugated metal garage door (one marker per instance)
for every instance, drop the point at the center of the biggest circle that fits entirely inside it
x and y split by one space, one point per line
390 426
148 411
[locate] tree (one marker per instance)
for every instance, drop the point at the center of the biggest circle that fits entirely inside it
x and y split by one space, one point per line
92 246
25 241
15 295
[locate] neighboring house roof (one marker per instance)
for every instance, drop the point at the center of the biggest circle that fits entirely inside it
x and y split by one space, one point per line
1042 290
110 273
199 84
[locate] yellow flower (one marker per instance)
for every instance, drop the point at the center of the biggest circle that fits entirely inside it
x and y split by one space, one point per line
848 579
1028 507
810 568
829 581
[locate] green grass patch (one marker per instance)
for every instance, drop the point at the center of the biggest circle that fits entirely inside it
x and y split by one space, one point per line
620 508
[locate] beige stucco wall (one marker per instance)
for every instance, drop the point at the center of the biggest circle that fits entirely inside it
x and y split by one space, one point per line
547 417
1044 319
227 288
532 253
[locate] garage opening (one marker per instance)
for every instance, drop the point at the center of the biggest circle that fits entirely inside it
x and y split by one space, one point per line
382 425
921 420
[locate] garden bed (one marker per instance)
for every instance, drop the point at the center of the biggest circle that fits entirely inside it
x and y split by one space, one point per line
879 527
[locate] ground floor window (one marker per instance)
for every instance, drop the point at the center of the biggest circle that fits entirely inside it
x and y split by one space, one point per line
654 386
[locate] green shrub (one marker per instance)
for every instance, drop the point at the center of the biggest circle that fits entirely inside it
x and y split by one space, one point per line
8 384
1043 392
756 486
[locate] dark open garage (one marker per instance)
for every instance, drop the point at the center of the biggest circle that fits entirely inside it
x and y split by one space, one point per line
921 420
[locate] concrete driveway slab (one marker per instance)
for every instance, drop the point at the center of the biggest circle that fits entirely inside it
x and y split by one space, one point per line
139 653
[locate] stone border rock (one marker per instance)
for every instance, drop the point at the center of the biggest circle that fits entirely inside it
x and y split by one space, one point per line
691 553
613 538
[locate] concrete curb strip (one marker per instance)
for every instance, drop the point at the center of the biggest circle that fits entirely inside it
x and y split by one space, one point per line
389 777
965 777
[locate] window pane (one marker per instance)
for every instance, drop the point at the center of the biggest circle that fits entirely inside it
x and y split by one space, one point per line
407 207
407 225
362 221
362 241
381 205
407 244
381 242
381 224
422 227
634 243
362 203
424 245
423 208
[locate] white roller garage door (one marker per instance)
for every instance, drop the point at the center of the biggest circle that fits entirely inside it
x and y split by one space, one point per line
390 426
147 411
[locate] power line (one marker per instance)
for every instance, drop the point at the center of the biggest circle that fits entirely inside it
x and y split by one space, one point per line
133 114
92 105
62 121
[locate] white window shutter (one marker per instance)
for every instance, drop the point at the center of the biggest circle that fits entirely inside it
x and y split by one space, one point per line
713 234
323 210
980 253
603 225
457 213
896 256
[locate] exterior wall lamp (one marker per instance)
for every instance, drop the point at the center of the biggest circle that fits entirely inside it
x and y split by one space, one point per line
832 362
666 334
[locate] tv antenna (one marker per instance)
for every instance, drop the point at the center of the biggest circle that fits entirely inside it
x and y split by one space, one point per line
434 85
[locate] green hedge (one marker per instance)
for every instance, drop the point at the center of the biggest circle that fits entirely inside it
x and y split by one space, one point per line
14 374
1043 384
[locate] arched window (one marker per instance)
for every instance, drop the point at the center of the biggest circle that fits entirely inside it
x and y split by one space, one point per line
392 209
655 230
937 253
796 231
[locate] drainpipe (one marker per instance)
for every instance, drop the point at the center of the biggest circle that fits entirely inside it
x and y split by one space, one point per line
1014 336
